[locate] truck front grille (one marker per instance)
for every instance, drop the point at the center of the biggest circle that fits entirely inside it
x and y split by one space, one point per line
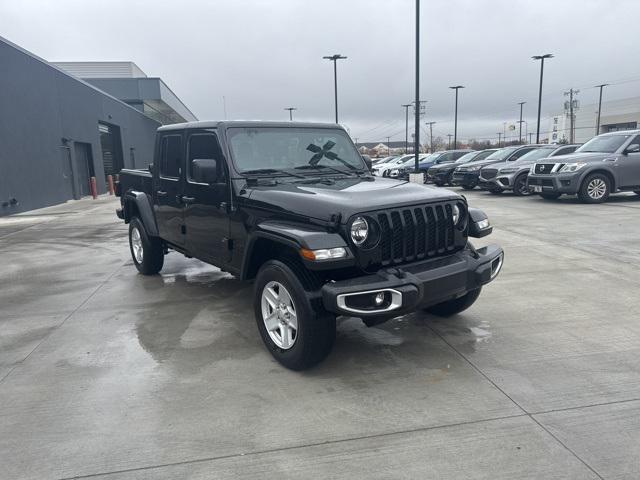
488 173
414 233
544 168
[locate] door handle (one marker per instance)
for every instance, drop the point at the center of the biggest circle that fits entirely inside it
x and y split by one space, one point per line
187 200
161 193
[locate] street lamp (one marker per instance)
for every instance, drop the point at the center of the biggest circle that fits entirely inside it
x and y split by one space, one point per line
601 86
406 126
291 109
455 123
520 121
541 58
416 137
334 59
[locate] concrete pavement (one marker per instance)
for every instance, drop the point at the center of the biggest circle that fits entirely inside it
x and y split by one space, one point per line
104 372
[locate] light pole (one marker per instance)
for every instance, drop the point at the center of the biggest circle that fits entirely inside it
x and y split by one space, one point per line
334 59
449 141
431 124
601 86
416 136
291 109
455 122
499 138
388 147
541 58
520 121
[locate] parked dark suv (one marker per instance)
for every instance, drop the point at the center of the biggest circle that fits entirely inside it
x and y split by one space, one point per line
468 176
293 208
441 174
606 164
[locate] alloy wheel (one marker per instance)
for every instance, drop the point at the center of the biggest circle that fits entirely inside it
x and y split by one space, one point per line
596 189
136 245
279 315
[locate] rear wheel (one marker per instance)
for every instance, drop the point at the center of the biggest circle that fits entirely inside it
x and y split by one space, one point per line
451 307
550 196
520 187
297 333
595 188
147 252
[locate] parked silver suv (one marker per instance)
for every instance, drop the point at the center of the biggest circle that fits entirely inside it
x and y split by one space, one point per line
606 164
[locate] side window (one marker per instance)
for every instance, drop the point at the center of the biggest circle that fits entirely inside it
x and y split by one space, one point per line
457 155
204 146
446 158
171 156
635 141
520 153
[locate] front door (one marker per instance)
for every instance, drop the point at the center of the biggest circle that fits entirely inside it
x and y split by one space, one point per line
84 167
168 189
627 167
206 205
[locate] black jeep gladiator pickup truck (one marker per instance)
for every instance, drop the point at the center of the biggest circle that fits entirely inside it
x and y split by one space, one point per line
294 208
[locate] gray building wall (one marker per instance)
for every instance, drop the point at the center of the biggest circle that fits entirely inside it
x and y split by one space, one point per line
39 106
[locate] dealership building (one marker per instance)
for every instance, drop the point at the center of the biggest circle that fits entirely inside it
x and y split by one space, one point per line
621 114
63 123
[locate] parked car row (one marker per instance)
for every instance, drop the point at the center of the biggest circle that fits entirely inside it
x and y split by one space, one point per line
606 164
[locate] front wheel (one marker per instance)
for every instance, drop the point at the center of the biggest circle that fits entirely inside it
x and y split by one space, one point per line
595 188
468 187
520 187
147 252
457 305
296 333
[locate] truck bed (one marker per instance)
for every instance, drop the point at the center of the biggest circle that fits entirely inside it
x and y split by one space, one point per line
139 180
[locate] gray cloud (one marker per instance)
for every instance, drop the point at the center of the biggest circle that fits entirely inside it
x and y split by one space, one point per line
266 55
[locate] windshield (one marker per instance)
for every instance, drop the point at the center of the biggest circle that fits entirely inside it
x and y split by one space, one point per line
536 154
604 144
410 161
502 154
285 148
467 157
431 157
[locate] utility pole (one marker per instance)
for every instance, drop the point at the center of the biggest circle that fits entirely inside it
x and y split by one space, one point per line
388 147
541 58
530 139
571 93
291 109
356 140
416 136
455 122
520 121
431 124
449 142
406 127
499 138
601 86
334 59
504 132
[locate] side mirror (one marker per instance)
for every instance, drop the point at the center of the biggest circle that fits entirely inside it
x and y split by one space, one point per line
204 170
367 161
633 148
479 225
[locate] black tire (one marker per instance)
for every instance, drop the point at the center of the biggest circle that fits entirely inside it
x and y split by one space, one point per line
496 191
596 182
468 187
316 329
520 188
152 249
438 184
451 307
550 196
637 192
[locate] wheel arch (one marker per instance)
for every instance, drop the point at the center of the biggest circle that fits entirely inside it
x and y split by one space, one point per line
137 204
602 171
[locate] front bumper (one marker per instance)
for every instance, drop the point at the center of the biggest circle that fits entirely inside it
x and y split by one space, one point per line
415 285
438 176
503 181
568 183
466 179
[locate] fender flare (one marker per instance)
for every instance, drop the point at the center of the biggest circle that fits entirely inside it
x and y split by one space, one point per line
292 236
145 211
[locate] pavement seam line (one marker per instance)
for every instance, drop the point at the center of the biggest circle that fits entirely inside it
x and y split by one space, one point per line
294 447
526 413
21 362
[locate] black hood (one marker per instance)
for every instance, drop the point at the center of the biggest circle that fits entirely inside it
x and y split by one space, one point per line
346 197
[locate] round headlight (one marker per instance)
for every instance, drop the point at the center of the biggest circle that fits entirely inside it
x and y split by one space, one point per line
456 214
359 230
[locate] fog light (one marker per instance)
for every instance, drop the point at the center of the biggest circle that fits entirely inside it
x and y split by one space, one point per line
379 299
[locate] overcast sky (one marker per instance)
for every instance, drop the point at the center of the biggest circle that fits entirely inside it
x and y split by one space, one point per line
265 55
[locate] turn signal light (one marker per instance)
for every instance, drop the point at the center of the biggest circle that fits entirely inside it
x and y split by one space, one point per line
324 254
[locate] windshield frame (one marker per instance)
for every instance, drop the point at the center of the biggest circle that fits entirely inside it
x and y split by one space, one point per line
506 151
330 131
585 147
523 158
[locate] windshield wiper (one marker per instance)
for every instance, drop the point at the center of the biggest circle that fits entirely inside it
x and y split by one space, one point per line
259 171
326 167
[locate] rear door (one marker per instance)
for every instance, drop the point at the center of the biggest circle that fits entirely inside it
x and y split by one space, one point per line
627 166
169 188
206 205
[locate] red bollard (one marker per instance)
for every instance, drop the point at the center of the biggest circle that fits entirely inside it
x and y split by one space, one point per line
94 188
110 182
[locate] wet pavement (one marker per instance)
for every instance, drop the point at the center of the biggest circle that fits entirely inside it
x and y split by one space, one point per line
106 373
